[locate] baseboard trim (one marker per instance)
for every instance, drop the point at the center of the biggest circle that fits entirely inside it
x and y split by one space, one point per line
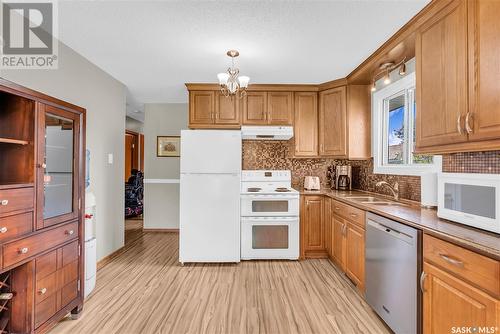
161 230
107 259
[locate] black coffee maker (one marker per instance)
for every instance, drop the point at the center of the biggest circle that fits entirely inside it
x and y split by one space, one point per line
343 178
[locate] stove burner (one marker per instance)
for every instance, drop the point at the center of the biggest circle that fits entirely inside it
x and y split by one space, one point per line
282 190
254 190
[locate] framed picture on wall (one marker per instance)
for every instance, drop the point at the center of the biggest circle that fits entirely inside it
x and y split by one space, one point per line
168 146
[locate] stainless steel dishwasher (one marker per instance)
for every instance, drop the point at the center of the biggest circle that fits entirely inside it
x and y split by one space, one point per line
392 268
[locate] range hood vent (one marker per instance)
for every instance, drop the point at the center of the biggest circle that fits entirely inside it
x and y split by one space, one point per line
267 132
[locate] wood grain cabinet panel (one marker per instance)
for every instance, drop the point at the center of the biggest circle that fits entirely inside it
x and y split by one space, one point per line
449 302
441 65
18 199
255 108
313 228
306 124
339 241
201 108
227 110
333 122
280 108
355 254
15 225
484 64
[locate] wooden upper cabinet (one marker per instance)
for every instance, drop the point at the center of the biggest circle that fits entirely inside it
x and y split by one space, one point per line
484 63
306 124
449 302
227 110
201 107
441 57
255 108
333 122
280 108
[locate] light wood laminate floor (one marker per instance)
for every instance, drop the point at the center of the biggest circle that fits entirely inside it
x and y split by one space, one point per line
145 290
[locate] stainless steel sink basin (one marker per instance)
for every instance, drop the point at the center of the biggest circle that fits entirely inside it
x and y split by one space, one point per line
387 203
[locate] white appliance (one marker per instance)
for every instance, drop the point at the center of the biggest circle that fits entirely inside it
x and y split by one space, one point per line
312 183
90 243
470 199
210 196
269 215
267 132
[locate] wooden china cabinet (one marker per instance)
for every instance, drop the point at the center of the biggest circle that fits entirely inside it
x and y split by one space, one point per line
42 144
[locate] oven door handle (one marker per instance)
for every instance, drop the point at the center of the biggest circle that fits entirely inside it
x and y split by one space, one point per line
269 220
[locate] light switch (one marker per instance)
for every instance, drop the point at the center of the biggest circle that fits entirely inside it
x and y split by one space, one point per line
110 158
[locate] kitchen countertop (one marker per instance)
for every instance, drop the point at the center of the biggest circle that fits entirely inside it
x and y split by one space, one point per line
483 242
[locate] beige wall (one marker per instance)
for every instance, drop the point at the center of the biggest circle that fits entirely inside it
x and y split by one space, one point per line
80 82
133 125
161 200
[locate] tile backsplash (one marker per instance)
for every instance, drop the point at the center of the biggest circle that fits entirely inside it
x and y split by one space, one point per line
275 155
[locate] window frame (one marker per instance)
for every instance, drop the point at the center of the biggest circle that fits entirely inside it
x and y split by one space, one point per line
379 131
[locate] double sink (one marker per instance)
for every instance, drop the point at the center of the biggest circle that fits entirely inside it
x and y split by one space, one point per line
374 200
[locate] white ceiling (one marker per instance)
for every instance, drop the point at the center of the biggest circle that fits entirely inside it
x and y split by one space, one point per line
154 47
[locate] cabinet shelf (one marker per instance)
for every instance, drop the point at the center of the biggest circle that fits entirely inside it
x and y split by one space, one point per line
13 141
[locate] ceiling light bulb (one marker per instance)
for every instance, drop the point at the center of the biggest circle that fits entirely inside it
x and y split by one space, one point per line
223 77
387 78
243 80
374 87
402 69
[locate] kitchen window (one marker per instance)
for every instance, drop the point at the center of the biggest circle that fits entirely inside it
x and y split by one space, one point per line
393 136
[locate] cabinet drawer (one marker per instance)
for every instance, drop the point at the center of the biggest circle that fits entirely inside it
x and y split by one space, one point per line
356 216
20 250
475 268
46 265
45 309
340 209
16 199
15 226
68 293
45 287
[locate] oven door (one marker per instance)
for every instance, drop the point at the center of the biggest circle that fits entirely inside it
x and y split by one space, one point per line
269 238
471 199
269 205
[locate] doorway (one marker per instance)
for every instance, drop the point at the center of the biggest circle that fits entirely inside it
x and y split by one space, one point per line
134 185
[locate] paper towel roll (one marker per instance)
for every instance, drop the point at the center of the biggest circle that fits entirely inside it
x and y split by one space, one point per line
428 189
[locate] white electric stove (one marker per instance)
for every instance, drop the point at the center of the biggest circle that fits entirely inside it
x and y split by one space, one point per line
269 215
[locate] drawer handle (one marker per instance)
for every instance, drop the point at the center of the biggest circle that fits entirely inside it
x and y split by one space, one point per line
337 208
452 261
70 232
43 291
23 250
3 230
354 215
4 202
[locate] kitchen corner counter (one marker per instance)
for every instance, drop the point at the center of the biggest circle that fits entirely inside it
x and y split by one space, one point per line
483 242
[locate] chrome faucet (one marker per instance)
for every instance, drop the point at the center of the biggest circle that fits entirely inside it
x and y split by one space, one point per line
394 189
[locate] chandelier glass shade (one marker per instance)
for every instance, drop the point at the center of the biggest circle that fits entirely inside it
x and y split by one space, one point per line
231 83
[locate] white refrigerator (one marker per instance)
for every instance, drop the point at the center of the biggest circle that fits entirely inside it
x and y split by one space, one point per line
210 196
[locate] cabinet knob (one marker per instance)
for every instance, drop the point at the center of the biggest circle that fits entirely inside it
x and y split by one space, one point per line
42 165
70 232
3 229
23 250
4 202
42 291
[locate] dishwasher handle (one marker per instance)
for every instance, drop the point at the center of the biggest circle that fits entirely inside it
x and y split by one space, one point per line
392 232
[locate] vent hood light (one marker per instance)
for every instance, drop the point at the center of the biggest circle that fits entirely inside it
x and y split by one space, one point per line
267 132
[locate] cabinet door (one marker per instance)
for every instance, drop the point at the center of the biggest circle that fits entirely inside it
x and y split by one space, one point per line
306 124
355 254
58 165
201 108
255 108
449 303
484 64
227 110
333 122
280 108
327 216
441 71
339 244
313 225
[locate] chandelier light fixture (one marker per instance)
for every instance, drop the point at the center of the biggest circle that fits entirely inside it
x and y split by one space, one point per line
230 83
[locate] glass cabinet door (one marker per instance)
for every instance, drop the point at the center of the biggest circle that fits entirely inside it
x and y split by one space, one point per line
58 166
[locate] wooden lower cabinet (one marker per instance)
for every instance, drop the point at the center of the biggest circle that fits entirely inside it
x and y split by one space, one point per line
450 303
312 240
355 254
339 241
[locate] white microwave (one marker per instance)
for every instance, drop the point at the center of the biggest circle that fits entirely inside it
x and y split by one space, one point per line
470 199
